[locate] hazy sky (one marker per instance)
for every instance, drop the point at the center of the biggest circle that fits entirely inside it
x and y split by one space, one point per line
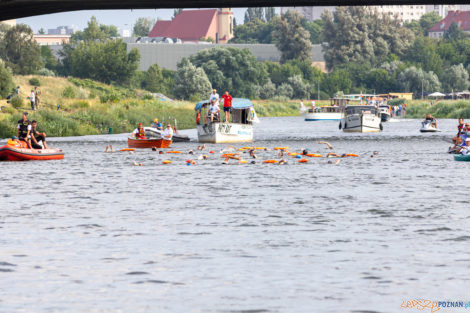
123 19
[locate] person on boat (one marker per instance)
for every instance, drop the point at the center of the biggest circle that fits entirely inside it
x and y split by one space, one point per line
214 97
37 136
227 106
23 130
460 127
431 119
139 132
156 124
214 110
168 133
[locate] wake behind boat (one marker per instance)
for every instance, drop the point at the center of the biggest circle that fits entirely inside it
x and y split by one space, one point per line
239 130
361 118
16 150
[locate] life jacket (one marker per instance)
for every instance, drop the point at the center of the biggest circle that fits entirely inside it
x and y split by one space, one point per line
140 134
198 118
23 128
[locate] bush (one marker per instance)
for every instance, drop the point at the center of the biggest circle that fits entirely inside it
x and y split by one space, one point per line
34 82
148 97
46 72
82 93
284 91
69 92
396 101
6 81
16 102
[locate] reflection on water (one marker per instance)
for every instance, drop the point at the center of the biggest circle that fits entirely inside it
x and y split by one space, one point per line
94 233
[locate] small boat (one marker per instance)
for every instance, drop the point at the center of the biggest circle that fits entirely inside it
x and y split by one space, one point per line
361 118
461 157
16 150
152 132
148 143
239 130
427 127
332 112
384 111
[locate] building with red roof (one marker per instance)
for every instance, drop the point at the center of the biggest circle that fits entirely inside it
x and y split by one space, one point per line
194 25
461 18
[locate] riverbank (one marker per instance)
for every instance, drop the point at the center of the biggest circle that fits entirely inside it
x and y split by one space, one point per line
439 109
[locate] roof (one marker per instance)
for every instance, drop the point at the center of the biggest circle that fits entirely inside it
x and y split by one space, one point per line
188 25
462 18
237 103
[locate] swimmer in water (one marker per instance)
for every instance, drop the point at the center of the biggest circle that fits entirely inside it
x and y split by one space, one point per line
202 147
280 154
252 153
336 155
326 143
191 152
282 161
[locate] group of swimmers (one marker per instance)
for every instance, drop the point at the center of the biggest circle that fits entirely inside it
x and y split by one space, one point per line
27 131
167 133
462 140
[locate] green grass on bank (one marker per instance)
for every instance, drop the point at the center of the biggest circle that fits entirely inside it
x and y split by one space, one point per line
439 109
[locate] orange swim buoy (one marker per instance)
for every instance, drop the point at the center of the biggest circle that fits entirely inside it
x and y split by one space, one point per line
352 155
242 162
127 149
314 155
281 148
211 151
303 161
270 161
174 152
293 153
167 162
227 155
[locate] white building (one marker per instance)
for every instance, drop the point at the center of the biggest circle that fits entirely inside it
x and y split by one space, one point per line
310 13
442 10
405 13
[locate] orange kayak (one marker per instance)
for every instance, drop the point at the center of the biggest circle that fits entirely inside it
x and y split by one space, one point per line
16 150
148 143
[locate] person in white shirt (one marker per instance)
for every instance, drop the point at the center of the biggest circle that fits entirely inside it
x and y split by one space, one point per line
214 97
32 98
168 133
313 105
214 110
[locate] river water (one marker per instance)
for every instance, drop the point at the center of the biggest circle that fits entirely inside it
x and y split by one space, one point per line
94 233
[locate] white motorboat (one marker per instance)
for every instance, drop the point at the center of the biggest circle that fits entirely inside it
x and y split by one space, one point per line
239 130
324 113
154 133
428 127
361 118
384 111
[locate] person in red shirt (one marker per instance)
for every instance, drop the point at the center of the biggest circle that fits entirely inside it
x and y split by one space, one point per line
227 106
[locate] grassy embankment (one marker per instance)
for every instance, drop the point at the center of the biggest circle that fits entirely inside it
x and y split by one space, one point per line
97 107
440 109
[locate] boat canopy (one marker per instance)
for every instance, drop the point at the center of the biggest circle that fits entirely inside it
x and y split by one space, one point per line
237 104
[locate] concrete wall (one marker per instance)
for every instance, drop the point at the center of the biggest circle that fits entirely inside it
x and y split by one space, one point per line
168 55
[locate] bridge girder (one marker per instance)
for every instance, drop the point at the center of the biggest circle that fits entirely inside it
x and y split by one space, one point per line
11 9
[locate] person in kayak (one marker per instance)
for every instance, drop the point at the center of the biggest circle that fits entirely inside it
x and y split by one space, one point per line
37 136
168 133
139 132
23 130
156 124
227 106
431 119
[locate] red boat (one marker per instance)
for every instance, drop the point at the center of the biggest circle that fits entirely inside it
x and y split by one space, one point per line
16 150
148 143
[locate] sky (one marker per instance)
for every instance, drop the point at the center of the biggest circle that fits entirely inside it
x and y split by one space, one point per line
123 19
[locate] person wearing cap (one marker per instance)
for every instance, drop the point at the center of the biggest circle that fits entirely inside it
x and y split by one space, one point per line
23 129
227 106
168 132
156 124
214 97
37 136
139 132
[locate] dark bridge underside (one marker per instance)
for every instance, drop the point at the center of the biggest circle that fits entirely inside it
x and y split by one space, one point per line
10 9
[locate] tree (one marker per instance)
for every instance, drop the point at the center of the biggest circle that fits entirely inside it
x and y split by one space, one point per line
300 89
353 34
252 14
455 78
423 53
103 61
95 32
231 69
292 40
6 80
418 81
454 32
110 31
49 60
268 90
315 28
191 81
176 12
143 26
335 81
153 79
20 51
269 13
255 31
379 80
41 31
428 20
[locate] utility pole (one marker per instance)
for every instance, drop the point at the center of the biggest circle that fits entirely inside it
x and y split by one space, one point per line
422 89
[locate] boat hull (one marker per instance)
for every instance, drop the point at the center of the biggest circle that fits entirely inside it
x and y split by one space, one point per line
154 133
428 128
323 116
12 153
225 133
462 158
367 123
148 143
